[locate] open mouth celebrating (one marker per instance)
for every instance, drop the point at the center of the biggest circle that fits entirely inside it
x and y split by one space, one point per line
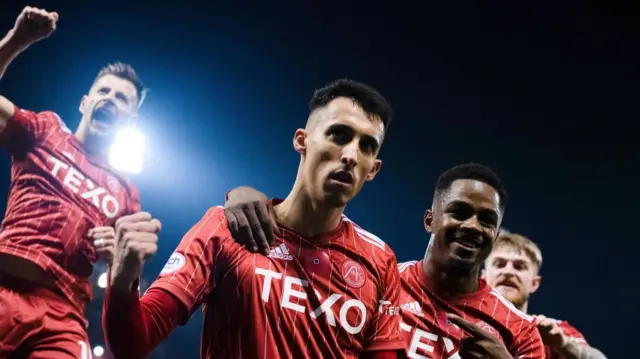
104 114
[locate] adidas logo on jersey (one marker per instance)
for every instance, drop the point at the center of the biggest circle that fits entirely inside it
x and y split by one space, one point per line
281 252
413 307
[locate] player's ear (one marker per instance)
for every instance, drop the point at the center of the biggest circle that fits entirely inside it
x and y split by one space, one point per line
428 220
535 283
83 104
374 170
300 141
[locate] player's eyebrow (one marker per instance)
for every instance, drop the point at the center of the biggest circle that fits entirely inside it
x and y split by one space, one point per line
368 139
483 212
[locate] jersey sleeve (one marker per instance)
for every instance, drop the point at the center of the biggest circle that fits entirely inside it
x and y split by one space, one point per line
572 333
27 128
190 273
528 343
384 330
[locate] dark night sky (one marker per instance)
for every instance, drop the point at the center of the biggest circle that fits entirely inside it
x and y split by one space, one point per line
545 96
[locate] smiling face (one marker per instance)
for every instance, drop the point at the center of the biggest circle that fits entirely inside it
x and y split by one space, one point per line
464 223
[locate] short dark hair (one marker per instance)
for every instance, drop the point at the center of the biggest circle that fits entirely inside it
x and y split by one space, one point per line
365 96
472 171
126 72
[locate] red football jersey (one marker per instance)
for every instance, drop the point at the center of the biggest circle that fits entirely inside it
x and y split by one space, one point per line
333 298
58 193
429 334
571 332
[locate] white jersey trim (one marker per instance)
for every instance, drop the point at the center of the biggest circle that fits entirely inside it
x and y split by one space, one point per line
510 305
366 235
403 266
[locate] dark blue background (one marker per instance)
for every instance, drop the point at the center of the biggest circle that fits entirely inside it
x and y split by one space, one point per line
544 95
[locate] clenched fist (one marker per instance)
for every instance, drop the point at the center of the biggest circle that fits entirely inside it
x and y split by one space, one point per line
104 240
137 241
34 24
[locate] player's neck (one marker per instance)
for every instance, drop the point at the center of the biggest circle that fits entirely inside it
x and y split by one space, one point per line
524 307
305 216
447 282
91 144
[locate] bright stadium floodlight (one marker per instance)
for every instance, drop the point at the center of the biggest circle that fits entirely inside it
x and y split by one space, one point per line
127 151
102 280
98 350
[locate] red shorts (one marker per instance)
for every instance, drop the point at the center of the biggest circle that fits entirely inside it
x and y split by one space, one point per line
38 323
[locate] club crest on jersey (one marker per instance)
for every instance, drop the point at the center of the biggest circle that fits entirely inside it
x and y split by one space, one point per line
353 274
489 329
175 262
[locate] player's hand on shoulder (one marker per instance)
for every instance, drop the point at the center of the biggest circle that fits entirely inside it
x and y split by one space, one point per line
34 24
104 240
551 333
137 241
478 343
251 218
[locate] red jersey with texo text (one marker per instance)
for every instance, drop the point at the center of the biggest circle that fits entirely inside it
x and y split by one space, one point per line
429 334
334 296
58 193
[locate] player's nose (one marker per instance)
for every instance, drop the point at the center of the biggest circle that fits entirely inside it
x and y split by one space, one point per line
509 270
473 224
350 155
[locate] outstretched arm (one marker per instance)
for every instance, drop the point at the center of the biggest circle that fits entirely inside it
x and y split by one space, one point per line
32 25
133 326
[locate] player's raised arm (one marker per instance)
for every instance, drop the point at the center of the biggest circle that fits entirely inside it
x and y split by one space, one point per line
32 25
132 335
133 325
